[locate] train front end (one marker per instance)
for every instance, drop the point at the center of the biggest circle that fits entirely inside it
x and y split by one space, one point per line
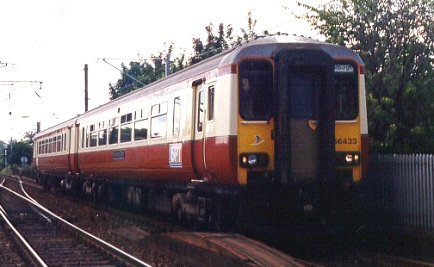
302 129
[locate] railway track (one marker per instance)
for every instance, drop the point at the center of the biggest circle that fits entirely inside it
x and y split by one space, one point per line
53 241
219 247
9 255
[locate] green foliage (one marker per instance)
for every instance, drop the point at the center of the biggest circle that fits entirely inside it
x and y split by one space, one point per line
7 171
396 42
26 170
28 137
214 44
2 157
19 149
142 71
222 41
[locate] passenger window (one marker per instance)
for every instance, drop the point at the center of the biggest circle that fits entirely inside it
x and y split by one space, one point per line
159 127
211 103
138 114
113 132
176 116
59 143
200 111
113 135
87 136
155 109
144 113
163 107
54 146
82 137
126 132
159 120
126 118
141 130
102 137
93 138
114 122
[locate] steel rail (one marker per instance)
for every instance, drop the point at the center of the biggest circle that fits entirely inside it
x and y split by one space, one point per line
120 253
34 200
31 252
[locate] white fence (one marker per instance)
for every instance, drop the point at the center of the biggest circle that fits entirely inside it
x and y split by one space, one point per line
400 190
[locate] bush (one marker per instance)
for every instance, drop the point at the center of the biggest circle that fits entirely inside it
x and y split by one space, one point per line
7 171
27 170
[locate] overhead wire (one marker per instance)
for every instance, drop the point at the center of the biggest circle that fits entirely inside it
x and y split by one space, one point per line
5 64
207 52
141 83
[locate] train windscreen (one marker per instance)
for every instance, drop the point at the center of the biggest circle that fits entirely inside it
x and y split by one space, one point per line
346 92
256 89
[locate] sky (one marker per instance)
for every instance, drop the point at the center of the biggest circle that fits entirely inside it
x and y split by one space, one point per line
49 41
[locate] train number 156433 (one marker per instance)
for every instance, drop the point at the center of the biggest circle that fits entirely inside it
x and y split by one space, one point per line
346 141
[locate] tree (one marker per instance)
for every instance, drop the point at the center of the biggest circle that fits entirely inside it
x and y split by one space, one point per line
2 156
133 77
214 44
222 41
28 137
395 39
18 149
139 74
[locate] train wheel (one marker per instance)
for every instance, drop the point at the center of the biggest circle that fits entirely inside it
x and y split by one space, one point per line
179 213
47 184
241 220
216 218
177 207
47 187
100 192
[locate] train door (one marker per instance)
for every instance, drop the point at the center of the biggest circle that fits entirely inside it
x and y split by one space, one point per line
198 130
304 86
72 147
305 117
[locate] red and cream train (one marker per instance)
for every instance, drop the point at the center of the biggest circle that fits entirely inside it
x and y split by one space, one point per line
278 123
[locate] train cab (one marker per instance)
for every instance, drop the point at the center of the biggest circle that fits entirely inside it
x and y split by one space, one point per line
302 126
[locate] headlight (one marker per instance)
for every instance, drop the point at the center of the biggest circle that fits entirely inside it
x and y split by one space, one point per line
251 160
347 158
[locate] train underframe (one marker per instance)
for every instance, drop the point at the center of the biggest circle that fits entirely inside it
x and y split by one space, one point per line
263 201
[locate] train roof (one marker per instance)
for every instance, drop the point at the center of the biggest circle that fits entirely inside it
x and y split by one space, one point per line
260 47
56 127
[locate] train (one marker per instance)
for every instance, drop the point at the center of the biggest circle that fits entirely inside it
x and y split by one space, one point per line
277 125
